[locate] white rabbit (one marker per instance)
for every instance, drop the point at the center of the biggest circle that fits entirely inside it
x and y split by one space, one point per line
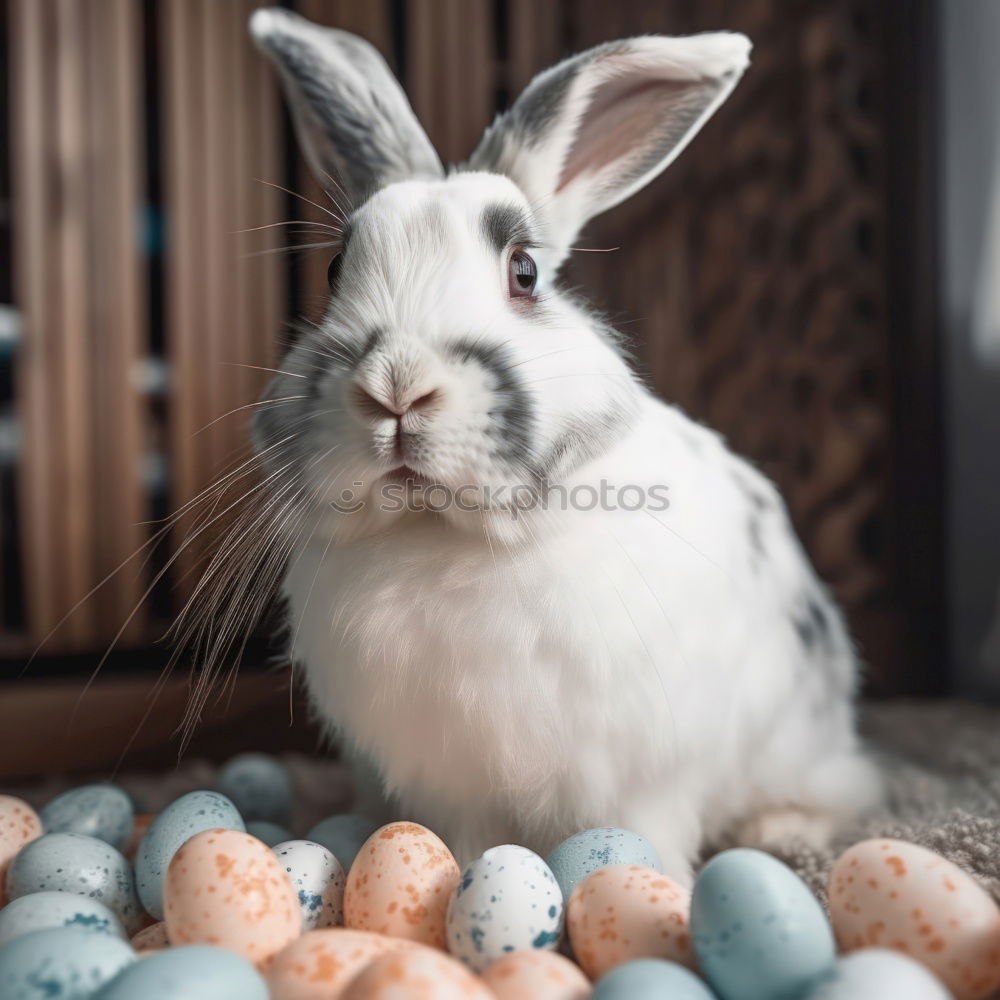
516 656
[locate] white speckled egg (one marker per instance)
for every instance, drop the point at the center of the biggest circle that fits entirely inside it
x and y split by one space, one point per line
67 963
653 979
71 862
892 894
40 910
193 973
320 964
152 938
540 975
343 835
881 975
271 833
227 888
420 974
19 825
506 901
400 884
101 811
318 880
258 785
626 912
758 931
585 852
181 820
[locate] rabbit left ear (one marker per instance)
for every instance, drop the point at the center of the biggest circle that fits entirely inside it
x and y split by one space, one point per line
592 130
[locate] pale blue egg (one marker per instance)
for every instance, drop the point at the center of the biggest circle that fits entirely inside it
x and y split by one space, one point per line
585 852
343 835
650 979
101 811
258 785
71 862
758 931
40 910
67 963
182 819
507 900
881 975
197 972
270 833
318 880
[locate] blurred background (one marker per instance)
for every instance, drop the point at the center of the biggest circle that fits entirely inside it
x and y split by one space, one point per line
814 278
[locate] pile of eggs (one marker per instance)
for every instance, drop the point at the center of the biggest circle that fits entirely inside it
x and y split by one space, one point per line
213 899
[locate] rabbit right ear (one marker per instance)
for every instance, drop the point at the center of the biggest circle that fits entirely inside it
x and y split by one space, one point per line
351 116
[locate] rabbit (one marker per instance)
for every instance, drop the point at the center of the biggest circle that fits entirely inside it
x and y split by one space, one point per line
527 595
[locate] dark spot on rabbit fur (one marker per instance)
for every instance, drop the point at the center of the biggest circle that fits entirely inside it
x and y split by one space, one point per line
504 226
812 624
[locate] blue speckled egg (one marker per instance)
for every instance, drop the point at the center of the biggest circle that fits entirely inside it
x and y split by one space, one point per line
66 963
40 910
508 900
197 972
583 853
101 811
180 821
71 862
269 832
758 931
343 835
881 975
258 785
318 880
650 979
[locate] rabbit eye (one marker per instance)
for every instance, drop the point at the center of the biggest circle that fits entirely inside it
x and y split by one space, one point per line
333 271
522 275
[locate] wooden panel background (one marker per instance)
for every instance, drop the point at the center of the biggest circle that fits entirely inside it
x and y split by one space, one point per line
753 276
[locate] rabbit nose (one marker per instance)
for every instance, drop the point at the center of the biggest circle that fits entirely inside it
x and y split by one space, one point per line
375 405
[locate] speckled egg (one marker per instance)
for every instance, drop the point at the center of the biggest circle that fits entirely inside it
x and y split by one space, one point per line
540 975
19 824
181 820
891 894
318 880
881 975
40 910
400 884
152 938
343 835
420 974
626 912
227 888
758 931
585 852
192 973
258 785
506 901
271 833
320 964
67 963
101 811
72 862
653 979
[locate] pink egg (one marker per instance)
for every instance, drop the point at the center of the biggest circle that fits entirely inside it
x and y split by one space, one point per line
891 894
400 884
227 888
418 974
152 937
19 824
625 912
320 964
540 975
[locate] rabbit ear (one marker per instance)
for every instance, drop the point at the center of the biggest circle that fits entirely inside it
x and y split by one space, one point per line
351 116
592 130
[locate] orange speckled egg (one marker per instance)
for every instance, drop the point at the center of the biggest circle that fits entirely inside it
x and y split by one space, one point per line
891 894
540 975
400 884
139 827
417 974
228 889
625 912
318 965
19 824
152 938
